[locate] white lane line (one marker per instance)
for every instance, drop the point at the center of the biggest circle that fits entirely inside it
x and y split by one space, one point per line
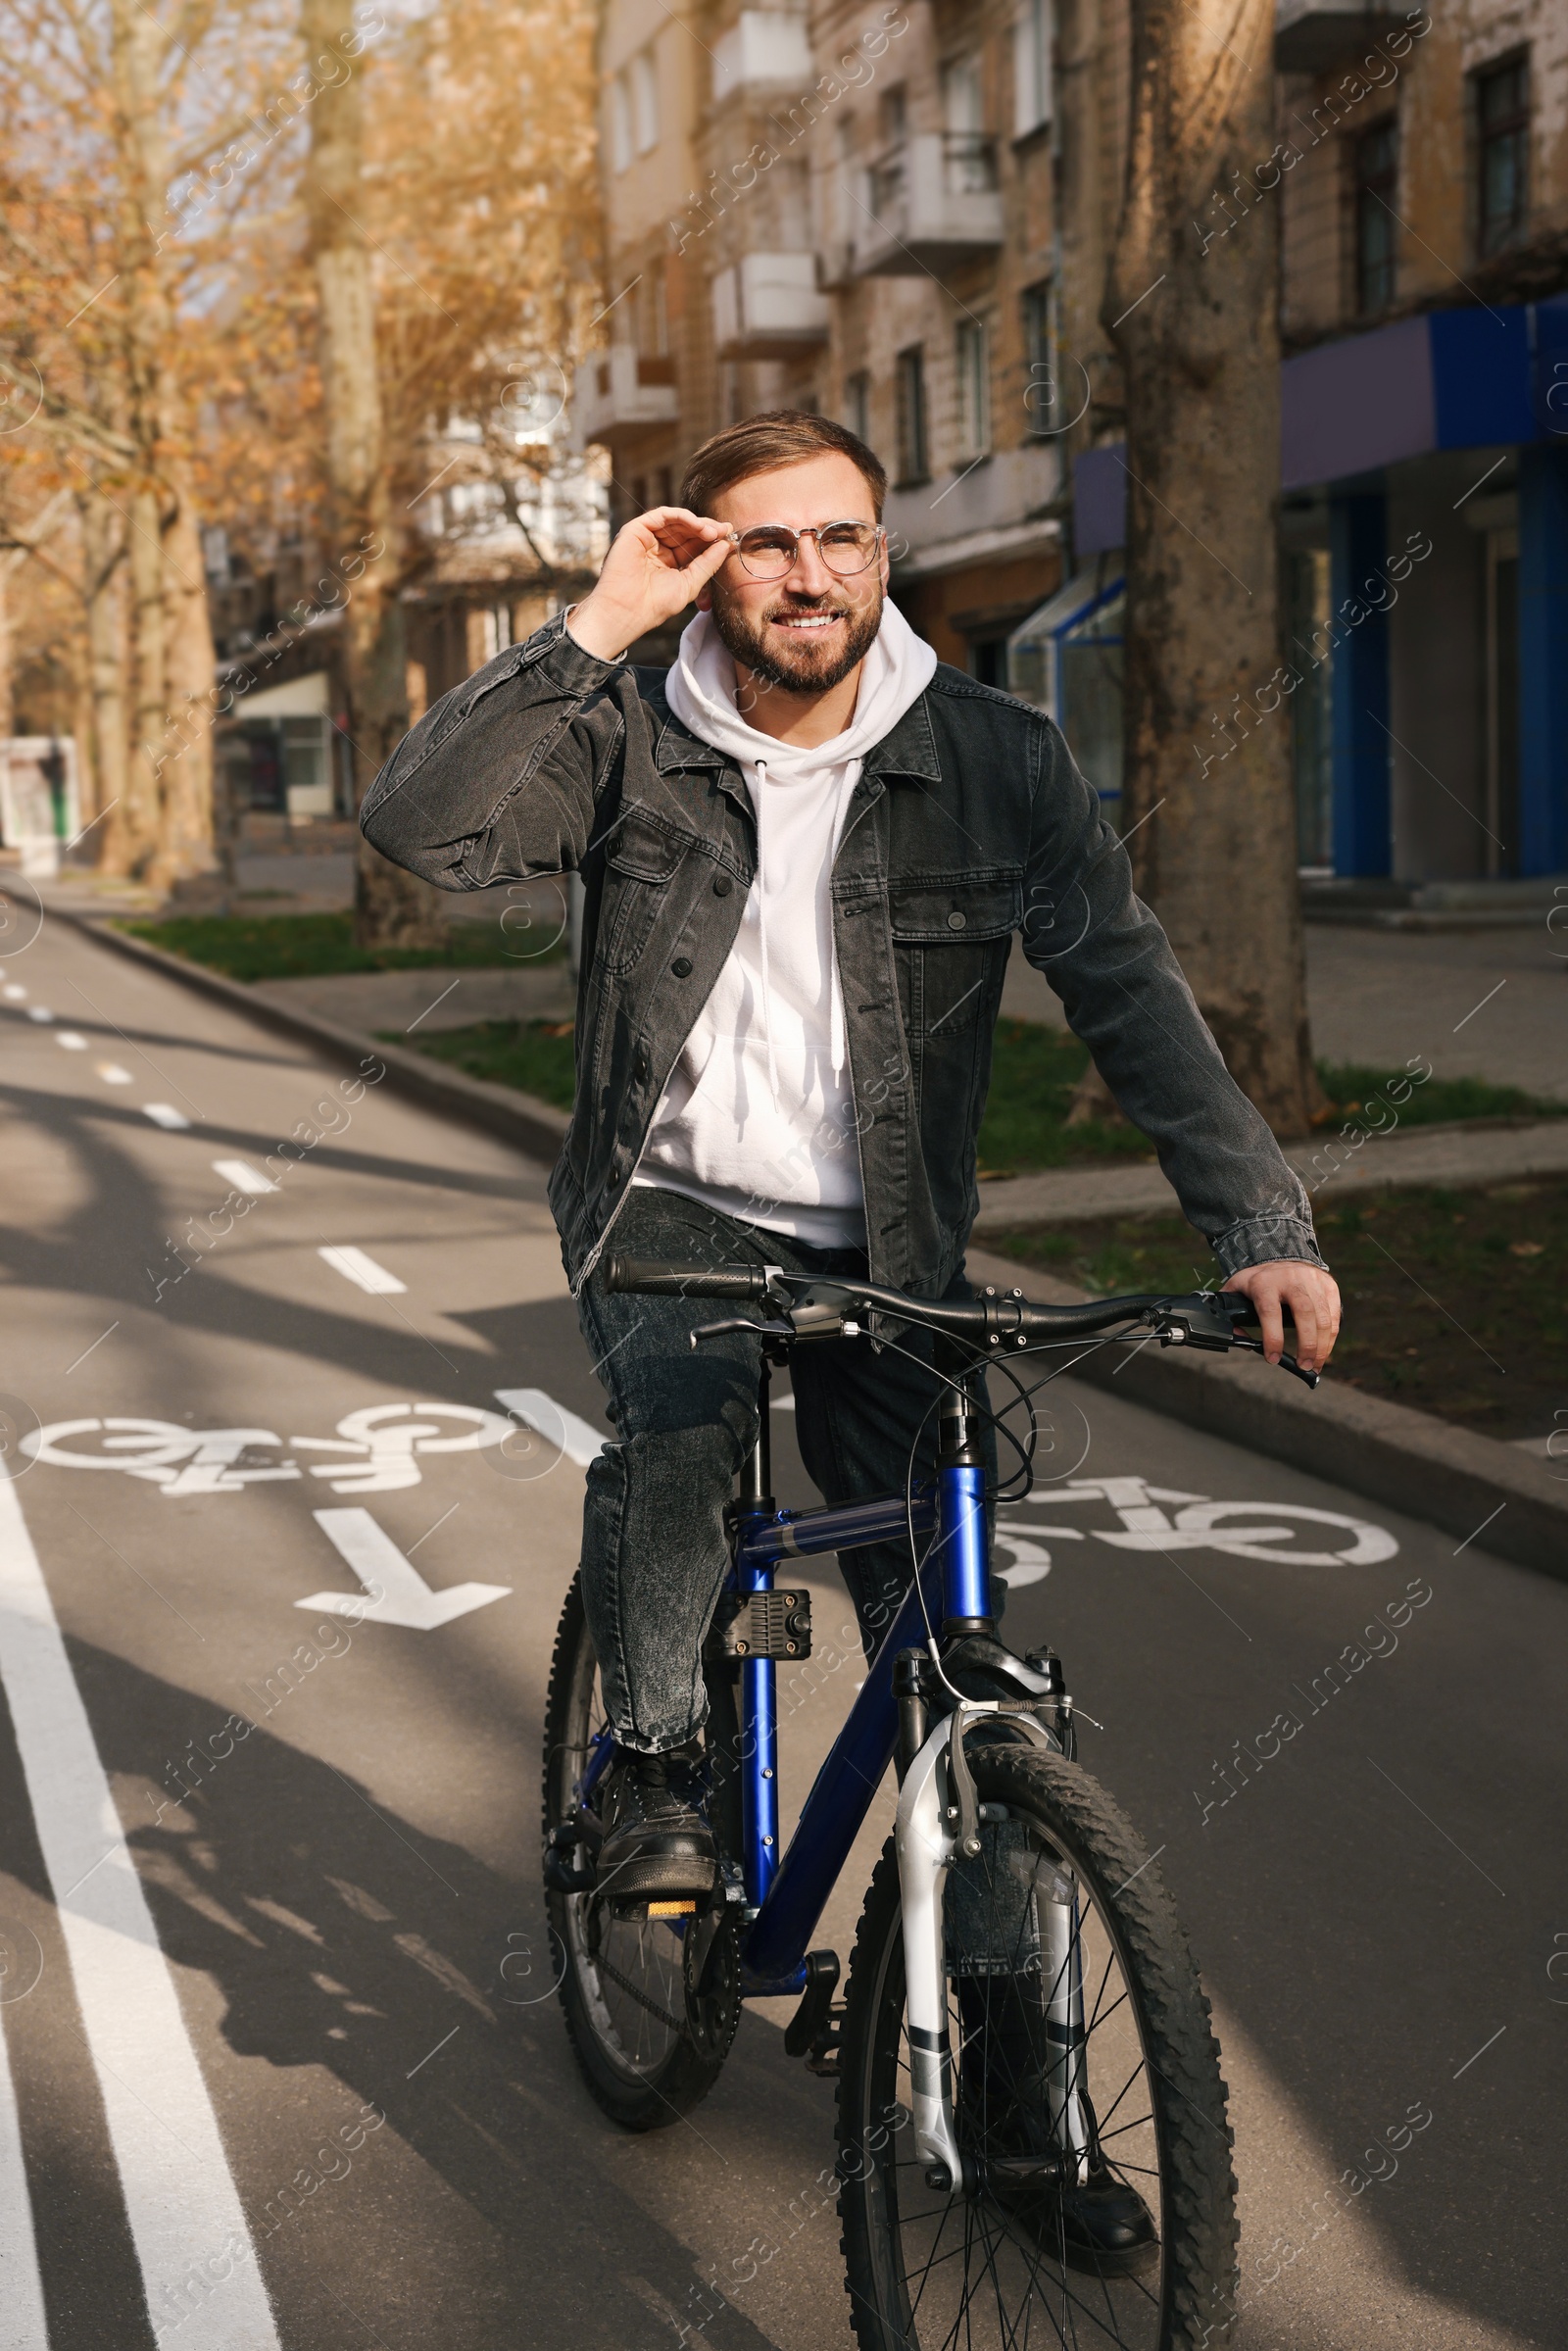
243 1176
22 2324
15 993
39 1012
112 1075
71 1038
186 2219
398 1594
578 1439
165 1114
355 1266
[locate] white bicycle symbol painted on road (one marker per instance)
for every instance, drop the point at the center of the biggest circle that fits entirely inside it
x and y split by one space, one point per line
1198 1523
378 1449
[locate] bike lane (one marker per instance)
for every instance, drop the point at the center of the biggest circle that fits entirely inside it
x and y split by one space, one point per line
309 1616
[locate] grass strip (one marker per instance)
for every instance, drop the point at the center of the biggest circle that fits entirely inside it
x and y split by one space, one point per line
1455 1299
297 946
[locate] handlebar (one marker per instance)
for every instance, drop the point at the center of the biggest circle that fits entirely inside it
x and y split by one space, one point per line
992 1323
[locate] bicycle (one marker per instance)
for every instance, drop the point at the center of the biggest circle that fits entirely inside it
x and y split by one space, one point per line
1032 2136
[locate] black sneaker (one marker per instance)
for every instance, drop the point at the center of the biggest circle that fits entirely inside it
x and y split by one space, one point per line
657 1843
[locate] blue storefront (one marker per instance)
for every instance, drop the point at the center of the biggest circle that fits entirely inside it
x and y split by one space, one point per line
1424 535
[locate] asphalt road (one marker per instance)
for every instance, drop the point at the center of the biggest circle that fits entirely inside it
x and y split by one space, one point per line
283 2067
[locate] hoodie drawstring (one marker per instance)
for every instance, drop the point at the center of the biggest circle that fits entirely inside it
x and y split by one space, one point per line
762 928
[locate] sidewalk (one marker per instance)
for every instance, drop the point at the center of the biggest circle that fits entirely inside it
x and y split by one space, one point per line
1482 1003
1476 1151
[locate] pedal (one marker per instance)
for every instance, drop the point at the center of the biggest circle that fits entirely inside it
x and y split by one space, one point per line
813 2031
672 1910
765 1624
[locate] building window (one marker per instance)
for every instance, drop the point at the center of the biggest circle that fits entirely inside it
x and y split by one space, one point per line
892 115
913 464
1042 393
644 102
1031 68
1377 165
972 353
969 154
655 309
858 403
1502 125
620 123
667 486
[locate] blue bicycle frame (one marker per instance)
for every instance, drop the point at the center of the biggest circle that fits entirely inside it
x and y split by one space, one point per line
789 1891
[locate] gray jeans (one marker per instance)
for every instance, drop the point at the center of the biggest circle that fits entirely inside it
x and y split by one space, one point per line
653 1555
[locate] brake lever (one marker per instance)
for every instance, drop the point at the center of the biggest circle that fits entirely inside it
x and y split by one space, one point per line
740 1322
1287 1362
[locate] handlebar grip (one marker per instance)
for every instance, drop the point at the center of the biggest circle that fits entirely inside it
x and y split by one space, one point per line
655 1278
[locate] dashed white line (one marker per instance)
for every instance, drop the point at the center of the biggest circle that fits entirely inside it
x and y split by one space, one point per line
165 1114
355 1266
112 1075
15 993
39 1012
243 1176
578 1439
180 2199
71 1038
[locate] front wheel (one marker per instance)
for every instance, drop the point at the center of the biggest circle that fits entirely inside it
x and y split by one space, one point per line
1098 2203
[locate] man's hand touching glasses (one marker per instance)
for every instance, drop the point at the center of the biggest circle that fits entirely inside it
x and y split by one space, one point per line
656 566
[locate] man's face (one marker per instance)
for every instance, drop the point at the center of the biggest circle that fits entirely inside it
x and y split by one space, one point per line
805 632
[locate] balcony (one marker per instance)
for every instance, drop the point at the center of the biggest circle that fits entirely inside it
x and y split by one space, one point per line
767 306
1311 37
765 49
933 204
619 393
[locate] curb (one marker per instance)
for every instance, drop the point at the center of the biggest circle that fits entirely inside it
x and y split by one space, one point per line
1465 1483
528 1124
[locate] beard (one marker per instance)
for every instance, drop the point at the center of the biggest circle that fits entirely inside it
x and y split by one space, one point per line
797 663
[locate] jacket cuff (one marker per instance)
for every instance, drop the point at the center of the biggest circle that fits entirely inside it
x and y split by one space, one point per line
1259 1238
564 663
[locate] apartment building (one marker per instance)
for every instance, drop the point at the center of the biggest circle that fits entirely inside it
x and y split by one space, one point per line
899 215
1421 172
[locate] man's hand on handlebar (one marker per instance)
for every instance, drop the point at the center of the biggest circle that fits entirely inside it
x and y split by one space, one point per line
1312 1297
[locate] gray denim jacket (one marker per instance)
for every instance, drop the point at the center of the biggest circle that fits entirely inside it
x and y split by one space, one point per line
970 825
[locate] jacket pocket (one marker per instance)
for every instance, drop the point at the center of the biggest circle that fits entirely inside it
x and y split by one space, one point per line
955 909
640 865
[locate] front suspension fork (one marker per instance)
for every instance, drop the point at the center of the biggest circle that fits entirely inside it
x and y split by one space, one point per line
926 1839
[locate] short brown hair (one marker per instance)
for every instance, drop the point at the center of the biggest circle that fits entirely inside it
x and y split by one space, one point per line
761 444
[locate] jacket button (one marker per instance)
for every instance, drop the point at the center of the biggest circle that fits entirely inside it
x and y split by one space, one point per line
682 967
721 885
640 1067
957 922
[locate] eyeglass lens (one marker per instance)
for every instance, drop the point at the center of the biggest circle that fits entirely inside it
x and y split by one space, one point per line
770 550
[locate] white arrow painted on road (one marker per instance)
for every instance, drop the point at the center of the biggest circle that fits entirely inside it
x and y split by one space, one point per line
399 1593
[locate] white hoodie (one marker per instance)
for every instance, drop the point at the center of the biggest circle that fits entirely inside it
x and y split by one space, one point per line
758 1119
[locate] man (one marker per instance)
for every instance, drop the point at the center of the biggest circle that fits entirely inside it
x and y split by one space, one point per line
805 851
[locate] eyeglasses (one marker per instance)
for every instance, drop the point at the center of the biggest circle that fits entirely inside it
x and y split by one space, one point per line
771 549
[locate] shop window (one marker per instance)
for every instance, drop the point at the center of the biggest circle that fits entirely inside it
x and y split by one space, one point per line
1068 658
972 357
1502 701
1503 153
913 455
1377 163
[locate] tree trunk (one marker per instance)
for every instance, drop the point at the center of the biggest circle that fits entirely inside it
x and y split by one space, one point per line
1192 308
103 553
169 794
391 908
